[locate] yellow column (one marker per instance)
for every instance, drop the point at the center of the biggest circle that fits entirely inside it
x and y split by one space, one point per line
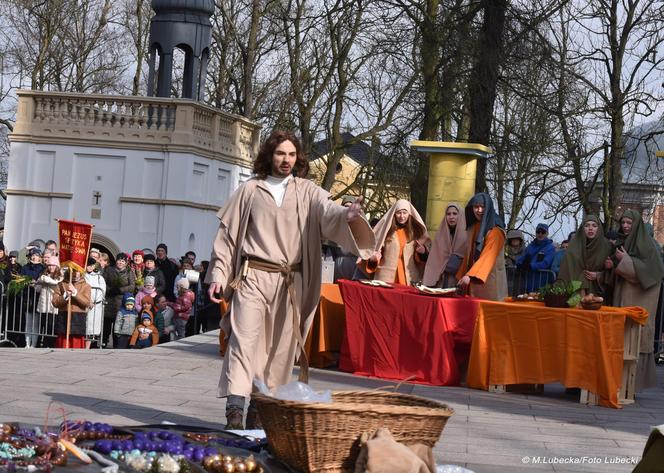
452 171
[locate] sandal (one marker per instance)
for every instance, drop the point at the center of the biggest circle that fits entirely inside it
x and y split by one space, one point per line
234 419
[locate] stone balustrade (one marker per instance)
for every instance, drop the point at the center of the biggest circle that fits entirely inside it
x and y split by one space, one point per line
134 122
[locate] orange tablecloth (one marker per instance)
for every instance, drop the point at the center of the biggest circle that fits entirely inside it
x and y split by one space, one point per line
327 331
520 342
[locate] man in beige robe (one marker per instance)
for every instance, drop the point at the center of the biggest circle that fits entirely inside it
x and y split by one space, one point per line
266 259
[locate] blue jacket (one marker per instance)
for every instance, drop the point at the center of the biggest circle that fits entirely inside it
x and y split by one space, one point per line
557 259
538 255
33 270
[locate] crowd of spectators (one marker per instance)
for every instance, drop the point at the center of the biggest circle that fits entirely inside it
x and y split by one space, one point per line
168 292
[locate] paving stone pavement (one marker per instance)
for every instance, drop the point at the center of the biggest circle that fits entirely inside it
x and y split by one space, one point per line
177 382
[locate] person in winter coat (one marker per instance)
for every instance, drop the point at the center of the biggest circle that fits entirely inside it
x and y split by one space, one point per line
33 269
119 280
145 334
152 270
538 256
148 289
182 307
168 268
125 321
79 293
49 279
515 247
95 318
164 320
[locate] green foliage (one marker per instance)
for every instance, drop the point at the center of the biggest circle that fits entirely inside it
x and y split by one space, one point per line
17 284
562 288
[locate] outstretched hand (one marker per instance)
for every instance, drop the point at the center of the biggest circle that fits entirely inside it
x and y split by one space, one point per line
355 210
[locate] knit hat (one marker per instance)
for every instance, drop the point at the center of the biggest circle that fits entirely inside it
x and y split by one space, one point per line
95 250
149 257
146 315
163 246
542 226
34 251
137 252
121 255
13 254
183 283
149 281
128 299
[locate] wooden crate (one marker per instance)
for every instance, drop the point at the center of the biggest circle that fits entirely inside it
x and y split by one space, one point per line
632 340
626 393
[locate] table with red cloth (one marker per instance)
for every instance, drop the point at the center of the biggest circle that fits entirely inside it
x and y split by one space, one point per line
528 343
327 330
398 333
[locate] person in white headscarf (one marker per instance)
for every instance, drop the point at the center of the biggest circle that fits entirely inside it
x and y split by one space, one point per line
448 249
402 245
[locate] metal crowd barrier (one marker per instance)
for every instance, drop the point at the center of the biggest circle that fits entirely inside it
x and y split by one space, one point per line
22 324
521 281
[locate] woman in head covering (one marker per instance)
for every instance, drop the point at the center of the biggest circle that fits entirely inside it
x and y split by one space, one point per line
638 277
483 270
585 256
402 245
448 250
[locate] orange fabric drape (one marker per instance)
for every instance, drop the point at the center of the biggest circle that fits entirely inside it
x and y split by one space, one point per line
327 331
516 343
223 344
494 243
400 277
401 267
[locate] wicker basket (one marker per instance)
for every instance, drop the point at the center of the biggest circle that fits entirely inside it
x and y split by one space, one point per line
324 438
556 300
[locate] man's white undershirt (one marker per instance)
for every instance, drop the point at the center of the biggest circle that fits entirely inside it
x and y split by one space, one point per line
277 187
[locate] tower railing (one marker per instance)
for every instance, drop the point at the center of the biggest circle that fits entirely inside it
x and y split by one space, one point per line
134 122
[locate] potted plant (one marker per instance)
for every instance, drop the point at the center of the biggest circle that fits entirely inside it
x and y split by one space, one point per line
561 294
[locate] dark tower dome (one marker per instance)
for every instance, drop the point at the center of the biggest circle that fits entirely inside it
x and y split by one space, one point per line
193 6
182 24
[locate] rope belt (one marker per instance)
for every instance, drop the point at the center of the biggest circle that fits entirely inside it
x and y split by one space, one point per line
288 272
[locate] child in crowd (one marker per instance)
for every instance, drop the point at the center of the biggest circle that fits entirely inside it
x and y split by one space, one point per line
147 290
185 265
164 320
145 334
182 307
125 322
48 281
147 308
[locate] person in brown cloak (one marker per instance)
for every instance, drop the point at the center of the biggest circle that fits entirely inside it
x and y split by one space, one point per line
637 281
448 249
584 259
402 245
266 260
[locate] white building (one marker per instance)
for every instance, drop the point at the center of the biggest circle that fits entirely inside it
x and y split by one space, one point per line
143 170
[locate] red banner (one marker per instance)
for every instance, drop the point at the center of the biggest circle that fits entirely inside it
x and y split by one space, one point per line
75 240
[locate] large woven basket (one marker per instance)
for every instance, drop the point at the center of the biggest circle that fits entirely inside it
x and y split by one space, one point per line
324 438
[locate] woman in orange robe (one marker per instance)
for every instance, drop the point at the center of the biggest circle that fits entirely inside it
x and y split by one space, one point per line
482 273
402 245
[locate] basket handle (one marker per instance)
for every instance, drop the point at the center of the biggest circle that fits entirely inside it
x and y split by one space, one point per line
394 387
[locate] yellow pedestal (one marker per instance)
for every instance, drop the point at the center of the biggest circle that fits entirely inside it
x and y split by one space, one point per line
452 171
